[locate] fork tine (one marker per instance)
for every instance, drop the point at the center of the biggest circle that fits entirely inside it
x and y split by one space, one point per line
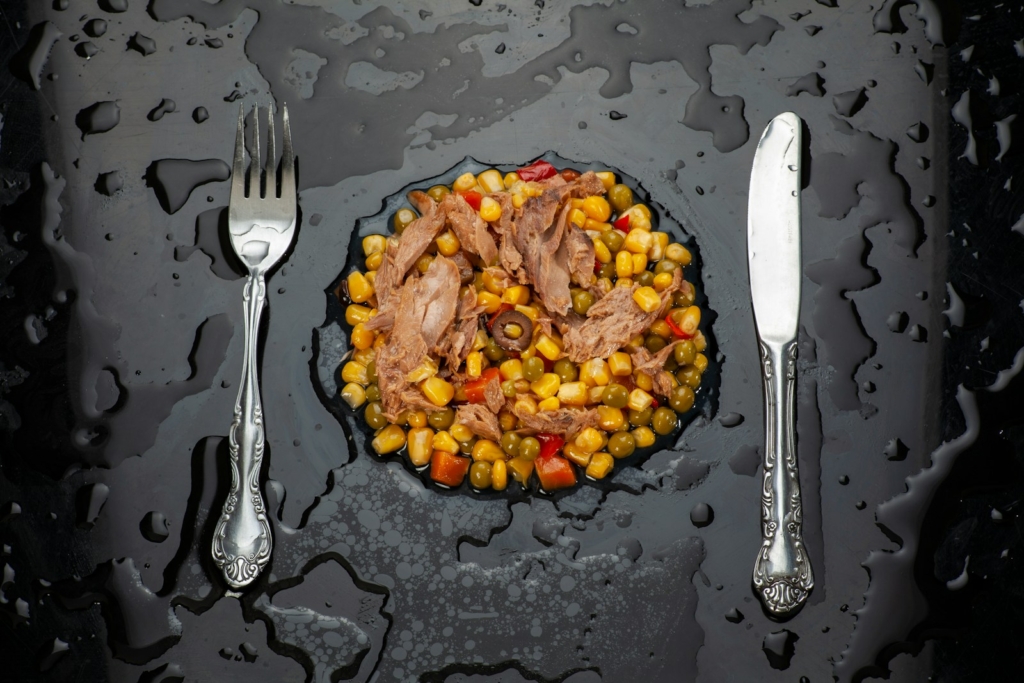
254 160
271 156
287 160
238 167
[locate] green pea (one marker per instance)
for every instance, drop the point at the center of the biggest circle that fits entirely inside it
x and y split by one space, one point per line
403 217
373 393
510 443
466 447
533 368
508 388
683 298
529 448
621 444
644 279
371 371
480 475
615 396
607 269
671 364
566 370
640 418
654 343
438 192
494 352
689 375
441 419
665 266
582 301
612 239
685 352
620 197
681 399
374 415
663 421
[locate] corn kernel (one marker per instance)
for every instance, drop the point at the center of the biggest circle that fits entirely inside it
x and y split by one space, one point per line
700 342
589 440
371 277
578 218
521 469
659 246
610 419
639 263
510 179
374 244
426 369
499 475
595 394
359 290
526 405
438 391
596 372
637 242
354 313
643 436
507 421
689 320
460 432
354 372
598 208
661 328
647 299
549 404
420 440
678 253
480 340
511 369
701 362
354 395
607 179
516 295
623 264
529 353
639 400
573 394
638 221
532 189
600 465
547 347
474 364
362 338
491 180
489 301
487 450
418 418
644 381
635 343
601 251
642 210
373 261
530 312
447 243
576 455
518 200
423 263
464 182
389 439
490 210
620 363
625 281
547 385
662 281
443 441
364 356
596 226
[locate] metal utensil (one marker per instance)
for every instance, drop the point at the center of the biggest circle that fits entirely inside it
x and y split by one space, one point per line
782 571
261 230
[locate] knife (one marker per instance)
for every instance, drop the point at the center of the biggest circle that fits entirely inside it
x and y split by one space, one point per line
782 572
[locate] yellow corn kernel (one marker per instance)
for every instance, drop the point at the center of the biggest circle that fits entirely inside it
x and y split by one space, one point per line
418 418
359 290
644 381
364 356
530 312
374 244
601 251
662 281
589 440
507 421
420 440
624 282
447 243
550 404
642 210
596 226
700 342
532 189
490 210
575 454
578 218
491 180
678 253
491 302
460 432
499 475
526 405
623 263
423 263
487 450
464 182
354 313
389 439
547 347
595 372
647 299
595 394
598 208
521 469
639 263
362 338
635 343
638 221
371 277
610 419
573 393
354 395
639 400
661 328
373 261
643 436
380 341
689 320
660 245
600 465
620 363
510 179
425 370
480 340
701 362
607 179
474 364
637 242
516 295
529 353
518 200
511 369
443 441
354 372
438 391
546 386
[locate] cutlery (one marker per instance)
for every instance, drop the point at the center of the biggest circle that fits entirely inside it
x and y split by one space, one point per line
261 229
782 572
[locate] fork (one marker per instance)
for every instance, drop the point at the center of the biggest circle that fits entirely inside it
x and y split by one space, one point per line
261 229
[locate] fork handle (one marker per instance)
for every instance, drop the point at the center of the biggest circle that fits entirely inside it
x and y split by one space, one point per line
242 540
782 571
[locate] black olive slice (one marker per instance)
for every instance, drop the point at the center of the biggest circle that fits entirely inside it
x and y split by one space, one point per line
509 318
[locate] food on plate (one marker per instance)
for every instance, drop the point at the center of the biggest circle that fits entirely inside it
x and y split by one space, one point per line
527 325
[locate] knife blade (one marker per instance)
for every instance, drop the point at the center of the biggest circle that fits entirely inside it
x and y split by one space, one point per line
782 575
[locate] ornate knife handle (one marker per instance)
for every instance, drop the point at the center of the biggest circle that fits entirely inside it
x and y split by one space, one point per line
242 540
782 571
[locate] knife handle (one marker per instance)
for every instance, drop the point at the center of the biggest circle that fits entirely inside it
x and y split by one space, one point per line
782 572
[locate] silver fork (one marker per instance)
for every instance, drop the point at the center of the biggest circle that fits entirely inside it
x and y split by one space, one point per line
261 230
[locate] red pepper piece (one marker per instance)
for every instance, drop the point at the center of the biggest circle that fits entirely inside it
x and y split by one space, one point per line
597 267
676 330
473 199
622 223
549 365
448 469
550 444
501 309
475 389
538 170
554 472
654 402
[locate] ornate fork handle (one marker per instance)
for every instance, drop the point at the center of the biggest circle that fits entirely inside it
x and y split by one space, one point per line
782 571
242 540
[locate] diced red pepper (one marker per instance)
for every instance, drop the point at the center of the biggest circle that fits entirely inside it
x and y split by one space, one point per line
549 444
538 170
654 402
676 330
448 469
549 365
597 266
554 472
473 199
475 389
501 309
622 223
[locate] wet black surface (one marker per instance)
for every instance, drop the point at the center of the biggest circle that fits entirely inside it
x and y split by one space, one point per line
120 354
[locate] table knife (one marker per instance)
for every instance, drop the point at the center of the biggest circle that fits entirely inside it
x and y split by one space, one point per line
782 572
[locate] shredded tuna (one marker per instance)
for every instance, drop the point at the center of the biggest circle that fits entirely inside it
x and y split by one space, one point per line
493 396
539 239
566 421
508 254
471 229
654 366
467 322
465 266
479 420
581 256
